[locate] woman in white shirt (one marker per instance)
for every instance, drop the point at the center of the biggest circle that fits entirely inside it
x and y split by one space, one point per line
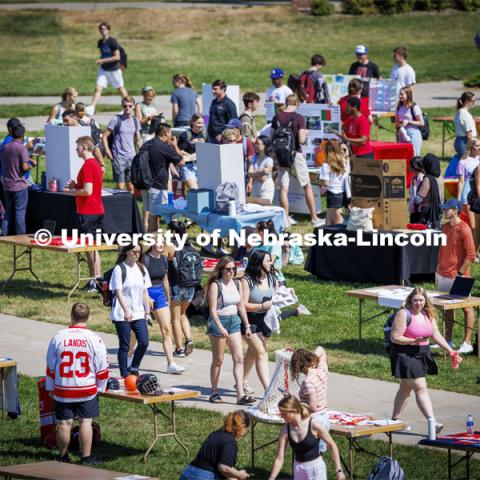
409 119
465 127
260 171
131 306
69 99
334 180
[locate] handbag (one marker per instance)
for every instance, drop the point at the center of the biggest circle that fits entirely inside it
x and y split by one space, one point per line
360 219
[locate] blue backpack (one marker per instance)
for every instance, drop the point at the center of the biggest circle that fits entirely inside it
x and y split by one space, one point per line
387 328
387 468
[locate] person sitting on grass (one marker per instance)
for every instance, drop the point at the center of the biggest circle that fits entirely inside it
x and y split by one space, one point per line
218 454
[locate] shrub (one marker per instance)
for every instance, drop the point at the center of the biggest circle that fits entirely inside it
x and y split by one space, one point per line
424 5
386 7
472 81
357 7
467 5
405 6
442 4
322 7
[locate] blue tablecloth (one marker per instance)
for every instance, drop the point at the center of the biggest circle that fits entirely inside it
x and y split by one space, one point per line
211 221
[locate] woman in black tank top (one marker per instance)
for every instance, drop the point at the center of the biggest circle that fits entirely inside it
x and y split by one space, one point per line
304 435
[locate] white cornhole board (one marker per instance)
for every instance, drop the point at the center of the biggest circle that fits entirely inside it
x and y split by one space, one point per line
233 93
296 197
62 160
220 163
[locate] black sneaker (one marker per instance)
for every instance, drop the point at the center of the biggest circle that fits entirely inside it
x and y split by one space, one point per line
179 353
91 460
64 459
188 347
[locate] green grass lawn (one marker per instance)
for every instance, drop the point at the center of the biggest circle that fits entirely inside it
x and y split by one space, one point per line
33 110
124 442
240 45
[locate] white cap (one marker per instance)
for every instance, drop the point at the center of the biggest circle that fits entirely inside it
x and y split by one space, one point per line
361 50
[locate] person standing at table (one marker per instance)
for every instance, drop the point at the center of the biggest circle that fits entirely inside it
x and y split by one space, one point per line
222 110
313 83
15 162
354 90
69 100
356 130
410 356
402 72
185 101
89 204
125 129
409 120
77 369
130 306
454 260
278 92
465 127
364 68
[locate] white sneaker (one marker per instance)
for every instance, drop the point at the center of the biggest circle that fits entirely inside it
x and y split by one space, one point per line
438 427
175 369
90 110
465 348
303 310
292 221
318 223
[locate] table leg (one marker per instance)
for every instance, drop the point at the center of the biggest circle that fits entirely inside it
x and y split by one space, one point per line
4 400
252 443
350 458
16 268
443 139
467 466
360 307
449 464
174 425
390 444
444 328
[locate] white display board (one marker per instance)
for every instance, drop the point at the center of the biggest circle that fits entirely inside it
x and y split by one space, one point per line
62 160
233 93
338 85
220 163
296 198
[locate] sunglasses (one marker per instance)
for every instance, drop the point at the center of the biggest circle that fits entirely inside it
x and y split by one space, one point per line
128 106
230 269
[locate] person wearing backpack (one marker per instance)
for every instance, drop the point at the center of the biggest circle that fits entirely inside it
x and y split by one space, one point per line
313 83
121 141
409 120
251 102
156 263
226 314
184 274
410 356
109 66
130 306
288 134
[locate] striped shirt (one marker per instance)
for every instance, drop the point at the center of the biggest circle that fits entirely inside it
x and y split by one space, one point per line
313 390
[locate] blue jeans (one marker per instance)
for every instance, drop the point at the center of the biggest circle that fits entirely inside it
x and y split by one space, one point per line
194 473
416 140
460 145
16 208
124 330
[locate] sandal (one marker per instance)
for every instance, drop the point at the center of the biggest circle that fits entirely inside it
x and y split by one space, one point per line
245 400
215 398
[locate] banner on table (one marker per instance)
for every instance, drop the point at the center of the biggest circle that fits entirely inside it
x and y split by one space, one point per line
382 95
338 85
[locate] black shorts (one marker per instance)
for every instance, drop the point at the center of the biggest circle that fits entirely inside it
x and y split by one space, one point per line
68 411
89 223
257 324
334 200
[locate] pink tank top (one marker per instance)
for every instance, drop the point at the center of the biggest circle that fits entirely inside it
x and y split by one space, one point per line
417 329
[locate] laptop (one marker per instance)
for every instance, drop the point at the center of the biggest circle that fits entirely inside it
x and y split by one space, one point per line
48 225
461 288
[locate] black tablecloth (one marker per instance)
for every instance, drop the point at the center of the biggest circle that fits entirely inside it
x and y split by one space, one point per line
385 265
121 212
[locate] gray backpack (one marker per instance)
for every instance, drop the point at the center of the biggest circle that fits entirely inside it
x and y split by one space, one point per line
387 468
225 193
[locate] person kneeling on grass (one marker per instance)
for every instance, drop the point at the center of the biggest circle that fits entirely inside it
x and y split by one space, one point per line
304 433
218 454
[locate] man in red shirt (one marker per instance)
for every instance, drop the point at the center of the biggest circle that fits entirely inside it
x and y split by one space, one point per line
88 193
454 260
356 130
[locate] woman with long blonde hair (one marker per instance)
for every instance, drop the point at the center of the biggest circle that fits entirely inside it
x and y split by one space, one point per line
334 180
304 433
410 356
409 120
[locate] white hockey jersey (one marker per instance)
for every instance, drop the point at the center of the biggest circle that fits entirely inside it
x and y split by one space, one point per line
77 365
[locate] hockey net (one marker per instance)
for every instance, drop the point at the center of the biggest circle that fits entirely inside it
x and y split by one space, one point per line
280 384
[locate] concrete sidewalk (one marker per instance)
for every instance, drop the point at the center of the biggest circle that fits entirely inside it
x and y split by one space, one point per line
26 341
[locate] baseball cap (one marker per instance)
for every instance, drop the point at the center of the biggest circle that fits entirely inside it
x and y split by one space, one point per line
452 203
12 122
234 123
361 50
276 73
147 89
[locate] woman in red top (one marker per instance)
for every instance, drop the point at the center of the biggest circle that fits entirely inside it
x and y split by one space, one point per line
410 356
355 87
88 195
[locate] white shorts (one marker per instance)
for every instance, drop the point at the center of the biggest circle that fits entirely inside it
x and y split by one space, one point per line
313 470
444 284
113 78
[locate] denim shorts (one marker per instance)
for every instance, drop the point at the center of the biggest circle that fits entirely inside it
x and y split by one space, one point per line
156 197
182 294
189 171
231 323
157 294
194 473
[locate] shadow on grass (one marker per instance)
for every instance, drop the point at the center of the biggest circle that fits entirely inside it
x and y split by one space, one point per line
35 290
373 347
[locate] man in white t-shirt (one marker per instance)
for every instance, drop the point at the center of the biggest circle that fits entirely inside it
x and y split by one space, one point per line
402 72
278 92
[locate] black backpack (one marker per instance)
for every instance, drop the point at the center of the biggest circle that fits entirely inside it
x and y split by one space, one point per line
188 267
387 328
387 468
472 198
425 130
107 294
283 145
123 57
140 171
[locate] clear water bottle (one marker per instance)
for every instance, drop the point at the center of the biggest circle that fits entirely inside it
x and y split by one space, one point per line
470 430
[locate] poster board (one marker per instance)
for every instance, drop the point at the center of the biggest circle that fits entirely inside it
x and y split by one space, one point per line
338 85
382 95
271 109
322 121
233 93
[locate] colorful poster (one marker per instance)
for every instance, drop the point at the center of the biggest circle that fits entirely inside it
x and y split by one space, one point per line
338 85
383 95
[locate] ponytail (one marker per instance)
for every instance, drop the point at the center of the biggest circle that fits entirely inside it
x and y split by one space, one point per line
466 97
290 403
236 423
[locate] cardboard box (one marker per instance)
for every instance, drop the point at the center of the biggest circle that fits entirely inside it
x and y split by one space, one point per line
381 184
200 201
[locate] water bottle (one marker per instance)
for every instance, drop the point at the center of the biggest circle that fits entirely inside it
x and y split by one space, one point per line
43 181
432 431
470 425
